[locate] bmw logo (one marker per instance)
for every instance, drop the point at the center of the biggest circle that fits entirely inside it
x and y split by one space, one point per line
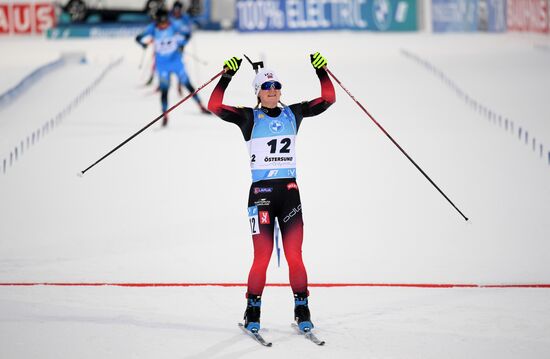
382 12
276 126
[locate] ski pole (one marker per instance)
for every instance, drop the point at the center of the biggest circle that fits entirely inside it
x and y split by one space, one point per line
142 58
81 173
255 65
394 142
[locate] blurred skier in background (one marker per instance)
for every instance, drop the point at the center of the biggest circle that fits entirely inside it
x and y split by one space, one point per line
270 133
181 19
168 44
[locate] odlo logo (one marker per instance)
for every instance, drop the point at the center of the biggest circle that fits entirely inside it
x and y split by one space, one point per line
292 213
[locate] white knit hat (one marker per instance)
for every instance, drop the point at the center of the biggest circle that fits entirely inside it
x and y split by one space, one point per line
263 75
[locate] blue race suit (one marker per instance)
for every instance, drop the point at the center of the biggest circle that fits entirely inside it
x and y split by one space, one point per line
168 43
183 24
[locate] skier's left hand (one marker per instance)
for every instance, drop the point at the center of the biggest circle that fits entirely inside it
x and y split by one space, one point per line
318 61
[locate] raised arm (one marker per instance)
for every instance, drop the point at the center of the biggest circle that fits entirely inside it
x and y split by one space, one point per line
328 95
241 116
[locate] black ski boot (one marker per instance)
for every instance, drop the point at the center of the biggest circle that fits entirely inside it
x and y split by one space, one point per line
252 313
301 312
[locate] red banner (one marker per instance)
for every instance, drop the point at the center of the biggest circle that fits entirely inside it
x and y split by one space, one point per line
26 18
5 19
528 15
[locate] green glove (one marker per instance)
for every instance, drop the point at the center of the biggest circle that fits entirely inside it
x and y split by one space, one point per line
318 61
232 65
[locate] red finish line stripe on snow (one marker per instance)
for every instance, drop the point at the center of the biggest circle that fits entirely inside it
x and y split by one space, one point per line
325 285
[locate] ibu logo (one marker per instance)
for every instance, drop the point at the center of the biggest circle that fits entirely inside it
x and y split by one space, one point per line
382 14
276 126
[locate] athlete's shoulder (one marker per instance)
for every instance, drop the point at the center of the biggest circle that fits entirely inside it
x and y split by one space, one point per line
244 108
174 26
296 107
149 29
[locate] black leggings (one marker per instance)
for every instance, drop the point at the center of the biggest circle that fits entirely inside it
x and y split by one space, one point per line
270 199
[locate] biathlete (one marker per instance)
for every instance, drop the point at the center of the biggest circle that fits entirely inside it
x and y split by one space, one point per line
181 20
169 44
270 134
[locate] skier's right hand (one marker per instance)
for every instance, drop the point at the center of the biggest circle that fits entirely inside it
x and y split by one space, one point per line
232 65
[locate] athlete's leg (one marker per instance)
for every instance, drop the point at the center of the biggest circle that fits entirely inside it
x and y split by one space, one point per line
261 225
263 247
184 80
292 230
164 85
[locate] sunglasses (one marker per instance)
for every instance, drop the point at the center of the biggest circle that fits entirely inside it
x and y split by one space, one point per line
271 85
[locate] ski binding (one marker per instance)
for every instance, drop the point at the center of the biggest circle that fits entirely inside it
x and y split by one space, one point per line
308 335
256 336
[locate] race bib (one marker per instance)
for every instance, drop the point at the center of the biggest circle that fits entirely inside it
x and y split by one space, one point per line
253 219
166 46
272 152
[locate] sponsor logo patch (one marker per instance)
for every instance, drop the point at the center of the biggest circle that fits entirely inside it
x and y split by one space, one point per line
291 185
272 173
264 217
292 213
276 126
263 190
262 202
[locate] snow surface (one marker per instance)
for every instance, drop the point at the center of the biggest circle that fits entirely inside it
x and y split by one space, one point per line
170 206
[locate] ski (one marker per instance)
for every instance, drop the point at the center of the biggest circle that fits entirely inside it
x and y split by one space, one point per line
256 336
308 335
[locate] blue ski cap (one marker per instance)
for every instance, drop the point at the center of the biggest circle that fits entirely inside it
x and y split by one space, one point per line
263 75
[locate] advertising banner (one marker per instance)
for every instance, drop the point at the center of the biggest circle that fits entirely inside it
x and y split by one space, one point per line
94 30
491 15
26 17
468 15
454 15
528 15
306 15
